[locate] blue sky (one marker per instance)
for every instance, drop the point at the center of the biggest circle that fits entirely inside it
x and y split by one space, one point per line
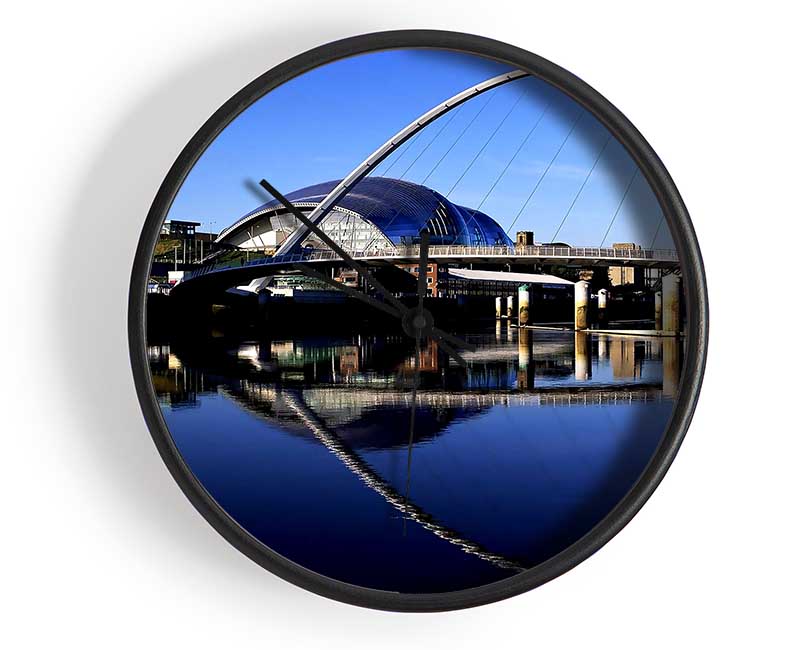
319 126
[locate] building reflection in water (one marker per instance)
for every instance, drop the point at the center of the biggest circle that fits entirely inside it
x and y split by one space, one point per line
428 359
537 361
175 383
348 360
671 348
627 355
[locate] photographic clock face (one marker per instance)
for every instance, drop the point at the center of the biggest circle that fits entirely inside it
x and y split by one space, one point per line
415 322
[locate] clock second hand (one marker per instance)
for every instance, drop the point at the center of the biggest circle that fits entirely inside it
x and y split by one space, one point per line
417 359
366 275
418 323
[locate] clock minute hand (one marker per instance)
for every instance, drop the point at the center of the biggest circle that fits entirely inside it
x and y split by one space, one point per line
362 271
358 268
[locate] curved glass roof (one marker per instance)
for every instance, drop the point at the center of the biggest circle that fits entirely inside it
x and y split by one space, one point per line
399 209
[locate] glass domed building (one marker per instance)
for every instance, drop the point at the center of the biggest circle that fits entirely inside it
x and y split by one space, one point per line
377 215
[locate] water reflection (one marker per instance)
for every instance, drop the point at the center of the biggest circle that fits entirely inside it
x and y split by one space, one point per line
583 356
670 353
516 456
526 369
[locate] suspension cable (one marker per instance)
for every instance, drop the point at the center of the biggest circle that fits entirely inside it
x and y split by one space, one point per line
460 135
396 159
516 153
438 133
619 207
508 164
541 178
402 154
366 216
660 222
450 148
486 144
583 185
413 162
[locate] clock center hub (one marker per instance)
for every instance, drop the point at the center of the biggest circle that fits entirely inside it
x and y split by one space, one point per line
417 322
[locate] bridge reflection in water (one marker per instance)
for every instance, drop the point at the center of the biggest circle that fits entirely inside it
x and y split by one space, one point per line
515 456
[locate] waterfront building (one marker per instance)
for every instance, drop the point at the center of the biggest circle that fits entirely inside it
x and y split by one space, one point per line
180 245
625 275
479 282
525 238
378 215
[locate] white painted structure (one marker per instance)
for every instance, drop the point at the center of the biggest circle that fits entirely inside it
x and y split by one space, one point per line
507 276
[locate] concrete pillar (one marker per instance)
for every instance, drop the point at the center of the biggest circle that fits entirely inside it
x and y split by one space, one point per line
658 303
524 304
583 356
498 307
602 306
581 305
498 330
526 367
510 307
671 303
602 298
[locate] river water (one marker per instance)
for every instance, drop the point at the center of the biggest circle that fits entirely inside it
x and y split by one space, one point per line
305 443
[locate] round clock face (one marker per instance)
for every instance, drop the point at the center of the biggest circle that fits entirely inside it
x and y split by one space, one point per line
418 321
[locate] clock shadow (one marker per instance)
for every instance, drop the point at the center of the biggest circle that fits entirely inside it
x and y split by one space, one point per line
106 210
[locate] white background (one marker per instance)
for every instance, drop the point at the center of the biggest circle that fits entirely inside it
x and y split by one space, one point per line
100 548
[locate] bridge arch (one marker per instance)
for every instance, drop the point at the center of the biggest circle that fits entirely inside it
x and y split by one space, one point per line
376 157
295 401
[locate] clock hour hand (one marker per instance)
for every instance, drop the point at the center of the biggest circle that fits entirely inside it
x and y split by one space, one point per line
359 295
382 306
422 274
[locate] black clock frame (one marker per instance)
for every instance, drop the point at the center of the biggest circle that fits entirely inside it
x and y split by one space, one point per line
694 286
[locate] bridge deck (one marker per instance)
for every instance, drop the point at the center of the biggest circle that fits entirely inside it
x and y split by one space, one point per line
555 255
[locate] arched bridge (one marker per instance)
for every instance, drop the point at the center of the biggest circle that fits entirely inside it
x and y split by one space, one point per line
386 214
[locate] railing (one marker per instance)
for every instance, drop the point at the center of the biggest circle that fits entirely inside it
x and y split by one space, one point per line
401 252
567 252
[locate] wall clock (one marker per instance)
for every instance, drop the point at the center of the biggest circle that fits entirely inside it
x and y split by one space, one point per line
418 320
